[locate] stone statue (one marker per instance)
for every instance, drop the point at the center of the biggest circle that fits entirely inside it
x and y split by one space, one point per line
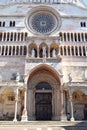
33 53
0 78
70 77
53 53
44 51
17 77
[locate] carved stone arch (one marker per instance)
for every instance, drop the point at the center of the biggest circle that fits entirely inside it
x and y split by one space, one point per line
7 88
79 90
44 78
56 74
78 93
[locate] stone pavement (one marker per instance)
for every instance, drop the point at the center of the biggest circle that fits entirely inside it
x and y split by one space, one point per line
47 125
42 128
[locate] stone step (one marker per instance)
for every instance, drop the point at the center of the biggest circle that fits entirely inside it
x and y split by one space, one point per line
44 123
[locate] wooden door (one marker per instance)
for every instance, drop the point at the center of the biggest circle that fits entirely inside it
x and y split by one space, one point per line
43 106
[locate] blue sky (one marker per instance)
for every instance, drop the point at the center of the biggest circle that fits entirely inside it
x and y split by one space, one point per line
85 1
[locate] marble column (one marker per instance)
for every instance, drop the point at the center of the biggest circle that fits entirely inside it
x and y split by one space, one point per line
23 36
63 36
70 51
6 37
78 52
63 114
16 105
8 50
80 37
24 114
0 50
71 106
12 34
84 37
74 51
9 36
16 36
4 50
82 50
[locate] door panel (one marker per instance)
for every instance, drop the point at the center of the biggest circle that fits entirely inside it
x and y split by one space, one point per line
43 106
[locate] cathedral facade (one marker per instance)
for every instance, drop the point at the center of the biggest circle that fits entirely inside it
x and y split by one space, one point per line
43 60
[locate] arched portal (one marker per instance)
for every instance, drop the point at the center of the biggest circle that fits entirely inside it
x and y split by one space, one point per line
44 95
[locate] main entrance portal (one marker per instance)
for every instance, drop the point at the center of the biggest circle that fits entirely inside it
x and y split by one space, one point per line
43 102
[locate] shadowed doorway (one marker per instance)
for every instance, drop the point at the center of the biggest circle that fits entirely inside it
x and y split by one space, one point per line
43 101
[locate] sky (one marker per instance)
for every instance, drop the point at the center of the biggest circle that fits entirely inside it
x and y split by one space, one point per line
85 1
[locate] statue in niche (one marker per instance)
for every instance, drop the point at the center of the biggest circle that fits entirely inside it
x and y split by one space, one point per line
17 77
70 77
44 51
53 53
0 78
33 53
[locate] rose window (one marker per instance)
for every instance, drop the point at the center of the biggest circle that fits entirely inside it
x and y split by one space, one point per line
43 22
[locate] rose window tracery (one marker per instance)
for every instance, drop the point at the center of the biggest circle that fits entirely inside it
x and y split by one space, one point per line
43 21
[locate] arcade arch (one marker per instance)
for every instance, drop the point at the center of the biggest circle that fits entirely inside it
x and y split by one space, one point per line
79 105
7 103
